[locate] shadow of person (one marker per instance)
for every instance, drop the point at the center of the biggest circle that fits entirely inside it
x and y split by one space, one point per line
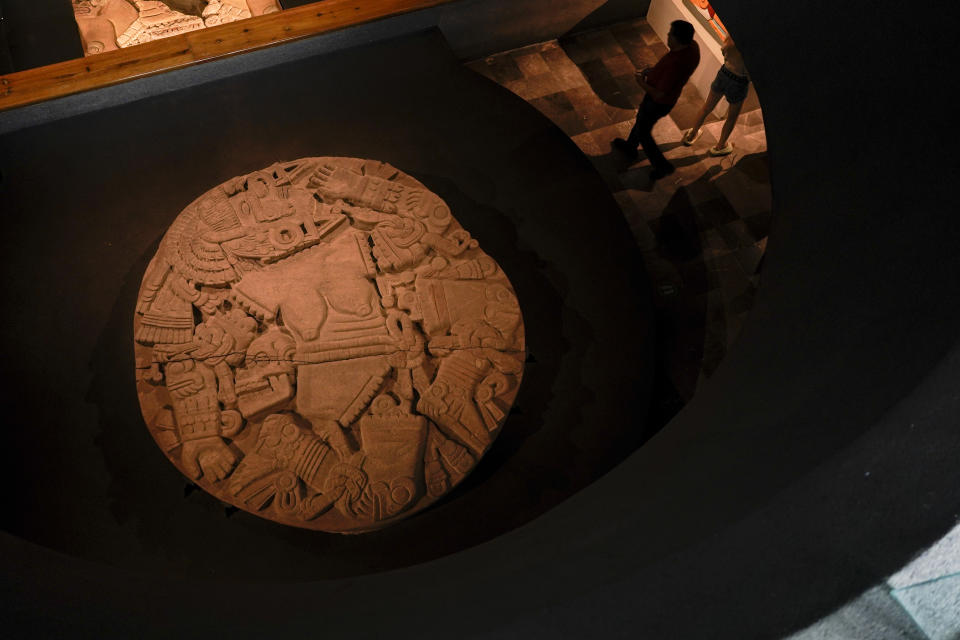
754 166
635 174
621 92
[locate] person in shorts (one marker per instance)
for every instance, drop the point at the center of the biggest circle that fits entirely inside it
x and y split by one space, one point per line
732 83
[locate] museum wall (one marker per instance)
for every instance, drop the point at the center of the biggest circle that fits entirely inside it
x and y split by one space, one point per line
41 32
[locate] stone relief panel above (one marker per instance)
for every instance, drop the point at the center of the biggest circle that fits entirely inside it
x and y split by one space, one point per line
321 343
106 25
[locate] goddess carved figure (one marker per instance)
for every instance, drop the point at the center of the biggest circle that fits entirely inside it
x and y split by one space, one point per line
333 350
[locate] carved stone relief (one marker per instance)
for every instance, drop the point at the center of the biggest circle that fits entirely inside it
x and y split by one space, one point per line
322 344
106 25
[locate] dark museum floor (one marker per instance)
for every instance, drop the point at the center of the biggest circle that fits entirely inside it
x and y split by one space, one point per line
702 230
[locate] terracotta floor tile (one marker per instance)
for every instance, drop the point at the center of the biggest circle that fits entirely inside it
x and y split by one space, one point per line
717 211
595 71
759 225
713 128
749 259
757 142
648 34
594 116
630 88
745 129
532 64
500 68
518 87
619 114
746 196
696 279
734 325
610 92
602 43
577 50
736 234
713 243
605 135
555 56
620 65
666 133
603 163
684 114
716 310
587 144
562 66
752 117
480 66
628 36
571 123
650 206
641 56
553 104
570 78
541 85
646 240
752 101
701 188
627 204
637 176
582 97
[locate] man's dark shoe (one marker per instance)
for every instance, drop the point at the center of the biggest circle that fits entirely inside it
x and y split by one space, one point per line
661 172
625 148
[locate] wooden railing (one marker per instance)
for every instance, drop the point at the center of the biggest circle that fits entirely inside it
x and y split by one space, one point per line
113 67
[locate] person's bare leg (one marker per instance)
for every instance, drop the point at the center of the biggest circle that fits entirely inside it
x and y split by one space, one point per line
732 114
708 105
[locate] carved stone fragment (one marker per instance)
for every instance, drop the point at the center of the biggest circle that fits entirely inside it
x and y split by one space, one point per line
321 344
106 25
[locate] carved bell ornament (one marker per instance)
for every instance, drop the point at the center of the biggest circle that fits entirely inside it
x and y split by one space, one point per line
321 343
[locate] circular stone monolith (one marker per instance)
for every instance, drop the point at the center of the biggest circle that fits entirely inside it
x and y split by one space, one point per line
322 344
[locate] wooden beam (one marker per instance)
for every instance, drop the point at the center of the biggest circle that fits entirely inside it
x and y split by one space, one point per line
195 47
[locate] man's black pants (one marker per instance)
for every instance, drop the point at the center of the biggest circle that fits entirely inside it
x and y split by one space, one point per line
647 115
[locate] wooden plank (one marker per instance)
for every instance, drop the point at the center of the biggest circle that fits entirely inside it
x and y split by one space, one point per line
195 47
73 76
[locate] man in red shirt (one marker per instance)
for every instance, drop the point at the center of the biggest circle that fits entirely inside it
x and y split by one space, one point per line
662 83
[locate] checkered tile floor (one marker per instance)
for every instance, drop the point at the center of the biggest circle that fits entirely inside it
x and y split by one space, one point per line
703 229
